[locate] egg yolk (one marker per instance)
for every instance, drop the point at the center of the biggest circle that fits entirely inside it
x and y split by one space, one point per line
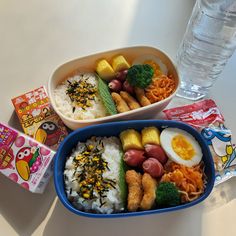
155 66
182 147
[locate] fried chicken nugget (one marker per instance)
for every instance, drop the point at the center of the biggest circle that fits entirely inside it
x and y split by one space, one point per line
140 94
121 104
135 191
132 103
149 188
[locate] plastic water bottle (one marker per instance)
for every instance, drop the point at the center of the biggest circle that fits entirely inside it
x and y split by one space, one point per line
208 43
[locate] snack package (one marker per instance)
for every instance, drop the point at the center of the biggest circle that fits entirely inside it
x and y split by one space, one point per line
38 119
206 117
24 160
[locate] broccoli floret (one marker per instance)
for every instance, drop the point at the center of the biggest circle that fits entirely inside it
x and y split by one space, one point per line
167 195
140 75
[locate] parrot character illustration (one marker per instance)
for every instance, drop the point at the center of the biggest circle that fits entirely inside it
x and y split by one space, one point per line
25 162
48 133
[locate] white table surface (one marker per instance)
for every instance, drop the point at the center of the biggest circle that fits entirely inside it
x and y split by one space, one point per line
37 36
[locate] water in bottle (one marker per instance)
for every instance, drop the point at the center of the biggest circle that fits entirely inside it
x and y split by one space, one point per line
209 41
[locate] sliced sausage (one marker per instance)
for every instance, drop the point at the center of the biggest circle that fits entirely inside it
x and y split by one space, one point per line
153 167
134 157
157 152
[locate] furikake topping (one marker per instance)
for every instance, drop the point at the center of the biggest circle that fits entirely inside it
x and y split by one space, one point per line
81 92
91 165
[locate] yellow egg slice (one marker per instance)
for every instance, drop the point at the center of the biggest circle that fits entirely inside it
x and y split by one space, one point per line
181 147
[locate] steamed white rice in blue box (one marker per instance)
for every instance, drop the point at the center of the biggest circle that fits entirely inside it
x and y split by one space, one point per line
94 176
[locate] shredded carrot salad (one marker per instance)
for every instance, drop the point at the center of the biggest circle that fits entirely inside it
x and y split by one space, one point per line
160 88
191 181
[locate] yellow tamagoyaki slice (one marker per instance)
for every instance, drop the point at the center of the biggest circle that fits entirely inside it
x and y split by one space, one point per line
104 70
131 139
119 63
150 135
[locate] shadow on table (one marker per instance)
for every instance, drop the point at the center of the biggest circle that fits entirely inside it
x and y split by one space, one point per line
220 195
24 210
14 122
63 222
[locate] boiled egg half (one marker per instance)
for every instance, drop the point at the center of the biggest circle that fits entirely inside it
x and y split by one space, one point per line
181 147
157 64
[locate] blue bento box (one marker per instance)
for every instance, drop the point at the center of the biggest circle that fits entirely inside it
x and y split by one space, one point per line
114 129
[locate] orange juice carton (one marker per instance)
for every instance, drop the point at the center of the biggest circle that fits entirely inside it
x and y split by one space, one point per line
38 119
24 160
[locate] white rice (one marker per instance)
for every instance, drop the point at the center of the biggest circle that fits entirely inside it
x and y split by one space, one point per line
65 105
112 154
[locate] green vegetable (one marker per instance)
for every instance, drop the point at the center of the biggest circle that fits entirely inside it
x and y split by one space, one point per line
105 94
33 159
122 182
140 75
167 195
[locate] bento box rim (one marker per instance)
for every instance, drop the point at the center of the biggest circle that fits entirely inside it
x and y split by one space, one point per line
161 123
118 115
